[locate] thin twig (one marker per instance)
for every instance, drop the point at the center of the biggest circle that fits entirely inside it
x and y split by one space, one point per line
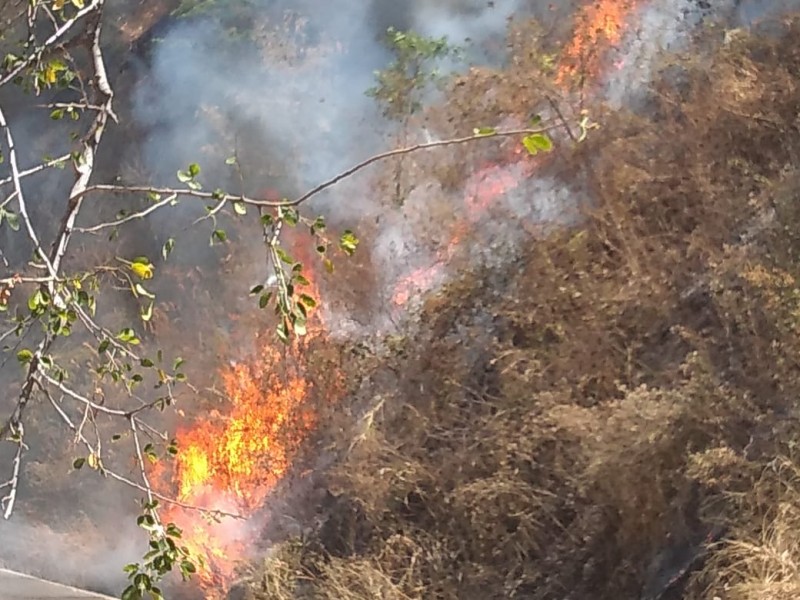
37 168
7 502
129 482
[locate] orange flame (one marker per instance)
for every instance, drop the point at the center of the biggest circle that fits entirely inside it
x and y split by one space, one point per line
232 463
598 25
482 191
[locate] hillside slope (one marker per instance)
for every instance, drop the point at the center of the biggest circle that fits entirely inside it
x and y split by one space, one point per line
581 423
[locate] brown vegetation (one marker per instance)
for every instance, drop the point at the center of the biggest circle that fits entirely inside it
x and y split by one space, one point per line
579 424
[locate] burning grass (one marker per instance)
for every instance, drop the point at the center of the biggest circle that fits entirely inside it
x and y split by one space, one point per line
579 423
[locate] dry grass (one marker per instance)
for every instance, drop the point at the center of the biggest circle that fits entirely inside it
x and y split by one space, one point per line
571 426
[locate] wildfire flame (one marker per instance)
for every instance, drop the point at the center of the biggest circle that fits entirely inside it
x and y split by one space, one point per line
232 463
599 25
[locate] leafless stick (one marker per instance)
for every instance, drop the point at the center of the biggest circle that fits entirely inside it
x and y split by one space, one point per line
23 209
129 482
7 502
408 150
132 217
143 189
37 168
85 164
82 399
140 458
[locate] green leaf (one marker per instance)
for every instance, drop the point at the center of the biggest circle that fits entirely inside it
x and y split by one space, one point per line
194 170
168 247
128 335
284 256
36 300
537 142
239 208
13 220
78 463
318 225
484 131
328 263
103 346
300 327
256 290
24 356
184 177
147 312
142 291
219 235
231 160
308 300
289 215
263 301
348 242
283 331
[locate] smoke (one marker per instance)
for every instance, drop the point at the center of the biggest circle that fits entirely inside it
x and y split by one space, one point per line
89 556
285 92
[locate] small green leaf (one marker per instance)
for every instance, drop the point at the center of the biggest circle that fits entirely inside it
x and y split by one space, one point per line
231 160
13 220
348 242
484 131
194 170
300 327
142 291
328 263
289 215
168 247
24 356
147 312
103 346
256 290
308 300
78 463
284 256
239 208
219 235
537 142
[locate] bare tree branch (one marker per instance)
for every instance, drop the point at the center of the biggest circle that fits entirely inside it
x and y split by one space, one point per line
7 502
122 479
33 170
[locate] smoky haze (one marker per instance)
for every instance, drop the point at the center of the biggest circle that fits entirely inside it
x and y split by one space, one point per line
291 104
